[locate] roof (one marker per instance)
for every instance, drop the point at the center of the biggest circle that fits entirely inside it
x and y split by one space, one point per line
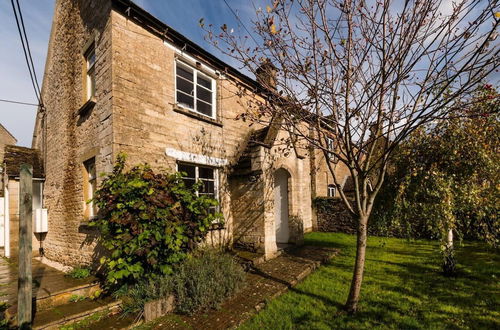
162 30
15 156
348 184
7 131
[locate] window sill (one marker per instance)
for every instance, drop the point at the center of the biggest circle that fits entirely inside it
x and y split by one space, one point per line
87 106
196 115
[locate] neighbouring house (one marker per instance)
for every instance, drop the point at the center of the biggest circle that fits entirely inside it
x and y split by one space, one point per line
11 159
6 138
14 157
119 80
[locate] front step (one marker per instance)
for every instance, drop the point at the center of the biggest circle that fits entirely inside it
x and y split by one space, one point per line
73 312
249 259
54 299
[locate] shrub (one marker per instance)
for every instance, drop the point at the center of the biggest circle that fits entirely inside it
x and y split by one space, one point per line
134 297
4 323
204 281
201 282
148 221
79 272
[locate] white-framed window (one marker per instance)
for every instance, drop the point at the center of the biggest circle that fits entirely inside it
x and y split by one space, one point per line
193 173
89 187
331 190
331 147
90 72
194 90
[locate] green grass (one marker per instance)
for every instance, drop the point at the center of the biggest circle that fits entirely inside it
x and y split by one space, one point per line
402 289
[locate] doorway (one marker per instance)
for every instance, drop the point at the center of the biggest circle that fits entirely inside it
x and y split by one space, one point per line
281 205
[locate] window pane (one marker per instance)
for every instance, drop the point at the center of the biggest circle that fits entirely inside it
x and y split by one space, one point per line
185 100
90 57
185 72
189 182
185 86
208 187
205 82
206 173
188 169
204 95
91 84
204 108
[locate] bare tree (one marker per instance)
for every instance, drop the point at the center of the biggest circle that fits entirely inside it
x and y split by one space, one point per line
366 73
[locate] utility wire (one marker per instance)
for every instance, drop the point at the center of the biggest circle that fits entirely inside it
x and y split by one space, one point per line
29 50
18 102
25 46
242 24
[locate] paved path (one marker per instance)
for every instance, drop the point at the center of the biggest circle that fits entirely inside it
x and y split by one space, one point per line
266 281
46 280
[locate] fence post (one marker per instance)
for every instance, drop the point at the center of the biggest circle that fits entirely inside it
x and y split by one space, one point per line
24 294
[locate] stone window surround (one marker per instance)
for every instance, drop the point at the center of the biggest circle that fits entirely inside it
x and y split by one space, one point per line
91 153
87 102
197 68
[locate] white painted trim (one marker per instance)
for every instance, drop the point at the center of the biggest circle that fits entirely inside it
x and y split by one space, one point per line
188 58
196 71
195 158
6 223
2 223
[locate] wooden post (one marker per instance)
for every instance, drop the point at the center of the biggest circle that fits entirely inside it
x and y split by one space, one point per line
24 294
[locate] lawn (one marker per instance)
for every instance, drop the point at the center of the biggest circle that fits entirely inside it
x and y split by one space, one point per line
402 289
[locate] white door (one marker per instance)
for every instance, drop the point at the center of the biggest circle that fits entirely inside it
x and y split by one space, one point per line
281 205
2 223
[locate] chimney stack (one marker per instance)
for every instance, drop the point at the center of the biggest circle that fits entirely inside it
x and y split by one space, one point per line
266 75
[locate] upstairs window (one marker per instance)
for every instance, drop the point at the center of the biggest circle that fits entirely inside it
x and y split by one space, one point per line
194 90
331 147
207 175
89 187
90 72
331 190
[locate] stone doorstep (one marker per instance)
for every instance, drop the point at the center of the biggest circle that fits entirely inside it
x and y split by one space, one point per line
57 298
73 312
313 265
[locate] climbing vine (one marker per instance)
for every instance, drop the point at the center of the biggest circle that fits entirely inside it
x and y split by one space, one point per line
148 222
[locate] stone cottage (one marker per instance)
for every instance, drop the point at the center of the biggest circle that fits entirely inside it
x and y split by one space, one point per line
6 138
119 80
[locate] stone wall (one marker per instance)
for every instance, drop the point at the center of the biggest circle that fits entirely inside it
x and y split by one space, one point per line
65 137
135 113
147 122
333 216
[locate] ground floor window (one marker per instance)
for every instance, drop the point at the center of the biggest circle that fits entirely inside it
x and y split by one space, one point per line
89 187
207 175
331 190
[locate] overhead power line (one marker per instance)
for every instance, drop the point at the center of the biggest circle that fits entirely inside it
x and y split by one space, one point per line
26 49
18 102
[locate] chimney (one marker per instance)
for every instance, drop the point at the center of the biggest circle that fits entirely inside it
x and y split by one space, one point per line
266 75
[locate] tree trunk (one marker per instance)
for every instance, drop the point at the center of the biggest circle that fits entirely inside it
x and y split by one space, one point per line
357 278
449 239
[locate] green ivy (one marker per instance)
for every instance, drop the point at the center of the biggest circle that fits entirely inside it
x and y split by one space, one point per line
148 222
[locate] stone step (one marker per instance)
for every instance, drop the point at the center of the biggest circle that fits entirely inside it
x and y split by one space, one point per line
53 299
74 312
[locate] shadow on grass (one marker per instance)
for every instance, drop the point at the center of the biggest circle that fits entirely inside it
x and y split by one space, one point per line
403 288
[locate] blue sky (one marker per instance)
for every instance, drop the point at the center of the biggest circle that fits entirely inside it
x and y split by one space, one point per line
182 15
